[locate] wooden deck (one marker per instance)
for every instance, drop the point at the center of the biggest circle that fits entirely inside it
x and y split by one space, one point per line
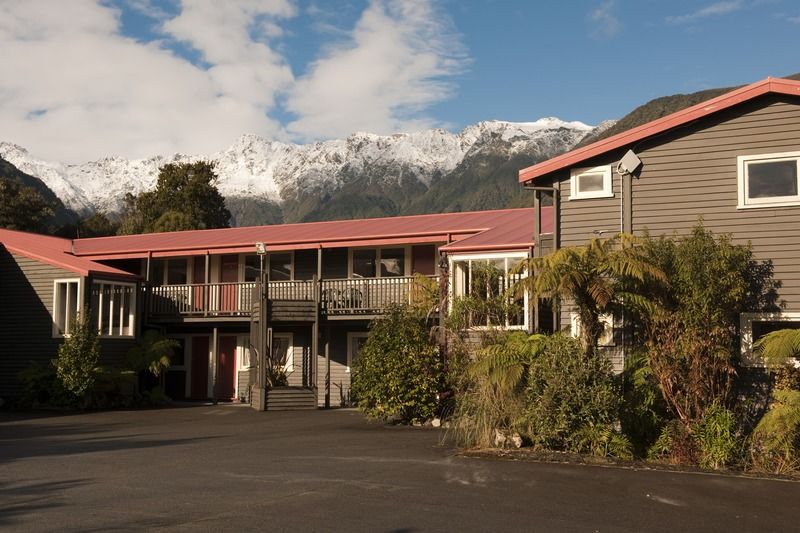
289 300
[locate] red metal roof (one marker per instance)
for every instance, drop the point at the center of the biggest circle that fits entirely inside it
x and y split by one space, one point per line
56 252
679 118
365 232
514 235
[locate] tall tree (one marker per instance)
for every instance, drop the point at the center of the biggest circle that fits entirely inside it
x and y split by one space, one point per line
23 208
185 197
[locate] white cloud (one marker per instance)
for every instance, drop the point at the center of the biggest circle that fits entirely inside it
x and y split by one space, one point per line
396 62
606 23
712 10
73 88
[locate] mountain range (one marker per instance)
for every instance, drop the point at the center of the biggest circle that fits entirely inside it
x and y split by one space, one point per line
364 175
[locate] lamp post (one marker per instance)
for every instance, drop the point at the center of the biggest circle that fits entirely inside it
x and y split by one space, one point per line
258 400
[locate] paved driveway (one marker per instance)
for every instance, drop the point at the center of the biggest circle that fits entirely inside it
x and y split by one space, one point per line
231 469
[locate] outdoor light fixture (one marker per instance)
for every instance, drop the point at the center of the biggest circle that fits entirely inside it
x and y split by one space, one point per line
261 248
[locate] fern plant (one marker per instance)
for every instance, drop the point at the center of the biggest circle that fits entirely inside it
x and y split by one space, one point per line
774 442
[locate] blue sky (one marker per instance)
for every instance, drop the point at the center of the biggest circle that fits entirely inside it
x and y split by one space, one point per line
135 77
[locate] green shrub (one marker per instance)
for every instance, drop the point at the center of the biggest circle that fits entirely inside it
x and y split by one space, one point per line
42 388
601 440
399 371
643 412
775 442
78 356
567 390
716 437
674 445
492 391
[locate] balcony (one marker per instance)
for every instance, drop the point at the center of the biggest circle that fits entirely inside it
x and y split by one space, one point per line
337 298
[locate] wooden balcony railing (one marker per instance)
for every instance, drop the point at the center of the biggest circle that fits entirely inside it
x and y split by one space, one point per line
336 297
367 295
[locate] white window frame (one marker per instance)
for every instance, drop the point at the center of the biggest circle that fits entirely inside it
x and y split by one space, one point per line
350 336
742 174
746 332
606 340
406 262
110 334
453 258
575 175
56 304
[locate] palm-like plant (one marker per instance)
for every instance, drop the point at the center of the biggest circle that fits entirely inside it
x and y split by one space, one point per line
152 354
594 277
778 348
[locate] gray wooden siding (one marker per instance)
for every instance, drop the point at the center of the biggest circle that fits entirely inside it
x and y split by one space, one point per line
340 377
26 320
26 324
692 173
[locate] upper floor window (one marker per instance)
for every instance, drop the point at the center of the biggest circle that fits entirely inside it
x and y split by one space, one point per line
378 262
66 305
590 183
769 180
114 308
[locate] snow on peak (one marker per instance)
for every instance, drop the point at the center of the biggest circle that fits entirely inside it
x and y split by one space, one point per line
273 170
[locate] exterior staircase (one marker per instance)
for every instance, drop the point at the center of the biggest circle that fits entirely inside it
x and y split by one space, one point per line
291 399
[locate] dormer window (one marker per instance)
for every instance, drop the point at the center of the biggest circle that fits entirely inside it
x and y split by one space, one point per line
590 183
769 180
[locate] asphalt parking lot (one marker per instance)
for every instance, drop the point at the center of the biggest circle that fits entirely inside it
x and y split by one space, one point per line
227 468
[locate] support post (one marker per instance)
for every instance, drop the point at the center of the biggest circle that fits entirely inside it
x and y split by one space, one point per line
327 366
215 366
444 301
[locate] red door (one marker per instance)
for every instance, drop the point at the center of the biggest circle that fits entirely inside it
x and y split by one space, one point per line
226 377
199 368
229 273
199 278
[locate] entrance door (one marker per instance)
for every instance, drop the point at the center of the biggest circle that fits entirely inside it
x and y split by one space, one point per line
226 377
229 273
199 382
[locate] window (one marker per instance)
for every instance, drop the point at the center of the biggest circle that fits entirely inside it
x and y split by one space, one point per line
590 183
378 262
753 326
769 180
606 338
393 262
66 305
176 272
114 308
252 267
489 278
364 263
280 266
355 343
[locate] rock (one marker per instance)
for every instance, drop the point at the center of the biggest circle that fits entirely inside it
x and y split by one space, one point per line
428 423
506 439
499 438
436 422
417 424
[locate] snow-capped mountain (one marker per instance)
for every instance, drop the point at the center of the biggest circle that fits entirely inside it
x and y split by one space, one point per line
306 175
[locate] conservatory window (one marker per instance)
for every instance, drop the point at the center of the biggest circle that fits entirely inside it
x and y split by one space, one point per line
489 278
114 308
